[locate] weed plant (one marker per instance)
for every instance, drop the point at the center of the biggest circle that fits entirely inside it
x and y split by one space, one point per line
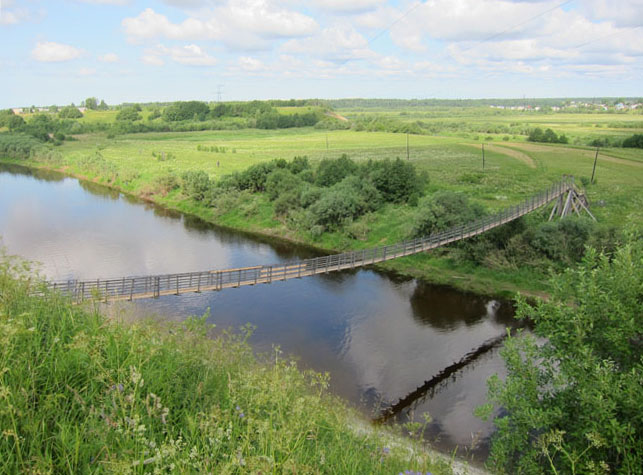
80 393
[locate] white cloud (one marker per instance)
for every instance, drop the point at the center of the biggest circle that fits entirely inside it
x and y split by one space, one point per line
622 13
10 14
86 71
337 43
246 24
192 55
49 51
249 64
109 58
152 60
106 2
344 6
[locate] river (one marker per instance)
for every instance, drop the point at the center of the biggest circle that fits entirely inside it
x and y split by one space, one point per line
380 336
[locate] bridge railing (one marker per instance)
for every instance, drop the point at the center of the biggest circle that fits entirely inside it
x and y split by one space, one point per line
129 288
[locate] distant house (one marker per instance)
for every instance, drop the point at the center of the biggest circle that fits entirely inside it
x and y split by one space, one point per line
620 106
17 110
82 109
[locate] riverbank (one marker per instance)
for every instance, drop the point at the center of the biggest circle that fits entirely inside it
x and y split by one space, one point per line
79 392
431 267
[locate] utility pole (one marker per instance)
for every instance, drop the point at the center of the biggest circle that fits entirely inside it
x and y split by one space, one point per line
219 92
594 169
407 146
483 155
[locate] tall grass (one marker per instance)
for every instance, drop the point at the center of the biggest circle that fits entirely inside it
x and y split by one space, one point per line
80 393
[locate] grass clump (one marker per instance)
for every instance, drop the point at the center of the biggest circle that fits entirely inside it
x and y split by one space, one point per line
81 393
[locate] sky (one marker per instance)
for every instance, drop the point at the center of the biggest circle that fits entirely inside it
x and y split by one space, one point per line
59 52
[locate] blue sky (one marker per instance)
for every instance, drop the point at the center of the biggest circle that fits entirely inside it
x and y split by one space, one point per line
58 52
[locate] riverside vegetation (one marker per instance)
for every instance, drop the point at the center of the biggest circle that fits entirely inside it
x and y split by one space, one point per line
361 187
80 393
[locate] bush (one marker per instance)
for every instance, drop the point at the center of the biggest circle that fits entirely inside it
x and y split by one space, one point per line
70 112
282 182
347 200
562 241
548 136
444 210
196 184
128 113
572 396
332 171
635 141
396 180
18 145
254 177
190 110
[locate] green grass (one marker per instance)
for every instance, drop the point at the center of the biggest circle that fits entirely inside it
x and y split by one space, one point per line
80 393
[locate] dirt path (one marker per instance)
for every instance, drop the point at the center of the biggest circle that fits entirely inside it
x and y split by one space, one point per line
336 116
585 153
523 157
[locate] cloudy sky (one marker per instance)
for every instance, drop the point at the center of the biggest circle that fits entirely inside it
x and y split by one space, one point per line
57 52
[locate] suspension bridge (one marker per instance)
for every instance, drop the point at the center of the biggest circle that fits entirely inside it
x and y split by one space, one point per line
564 194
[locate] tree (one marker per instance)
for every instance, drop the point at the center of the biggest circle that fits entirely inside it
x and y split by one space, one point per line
70 112
14 122
91 103
103 106
572 397
128 113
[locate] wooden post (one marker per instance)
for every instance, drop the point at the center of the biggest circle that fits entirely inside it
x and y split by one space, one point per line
483 156
131 290
594 169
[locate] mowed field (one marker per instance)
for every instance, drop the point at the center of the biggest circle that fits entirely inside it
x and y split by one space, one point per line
513 169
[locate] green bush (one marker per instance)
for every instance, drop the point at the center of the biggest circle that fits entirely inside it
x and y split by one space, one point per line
196 184
331 171
70 112
635 141
128 113
572 396
396 180
444 210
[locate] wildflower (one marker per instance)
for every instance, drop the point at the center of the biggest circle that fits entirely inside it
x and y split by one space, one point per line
386 450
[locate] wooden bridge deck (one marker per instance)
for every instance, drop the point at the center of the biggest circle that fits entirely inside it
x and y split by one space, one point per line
142 287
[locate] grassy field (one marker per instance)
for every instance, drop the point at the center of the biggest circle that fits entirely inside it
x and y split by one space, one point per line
80 393
514 169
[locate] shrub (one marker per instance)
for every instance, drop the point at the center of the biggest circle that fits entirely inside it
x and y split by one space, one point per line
635 141
196 184
332 171
396 180
70 112
281 182
128 113
443 210
572 395
190 110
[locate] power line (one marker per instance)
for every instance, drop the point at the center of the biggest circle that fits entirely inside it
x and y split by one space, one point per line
606 36
388 28
496 35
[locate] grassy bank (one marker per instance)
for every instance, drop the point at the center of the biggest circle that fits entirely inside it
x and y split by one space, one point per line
81 393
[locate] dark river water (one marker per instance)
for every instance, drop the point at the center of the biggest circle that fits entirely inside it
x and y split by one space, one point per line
381 337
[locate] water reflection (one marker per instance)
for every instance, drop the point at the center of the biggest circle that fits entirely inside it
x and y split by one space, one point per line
381 336
445 308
